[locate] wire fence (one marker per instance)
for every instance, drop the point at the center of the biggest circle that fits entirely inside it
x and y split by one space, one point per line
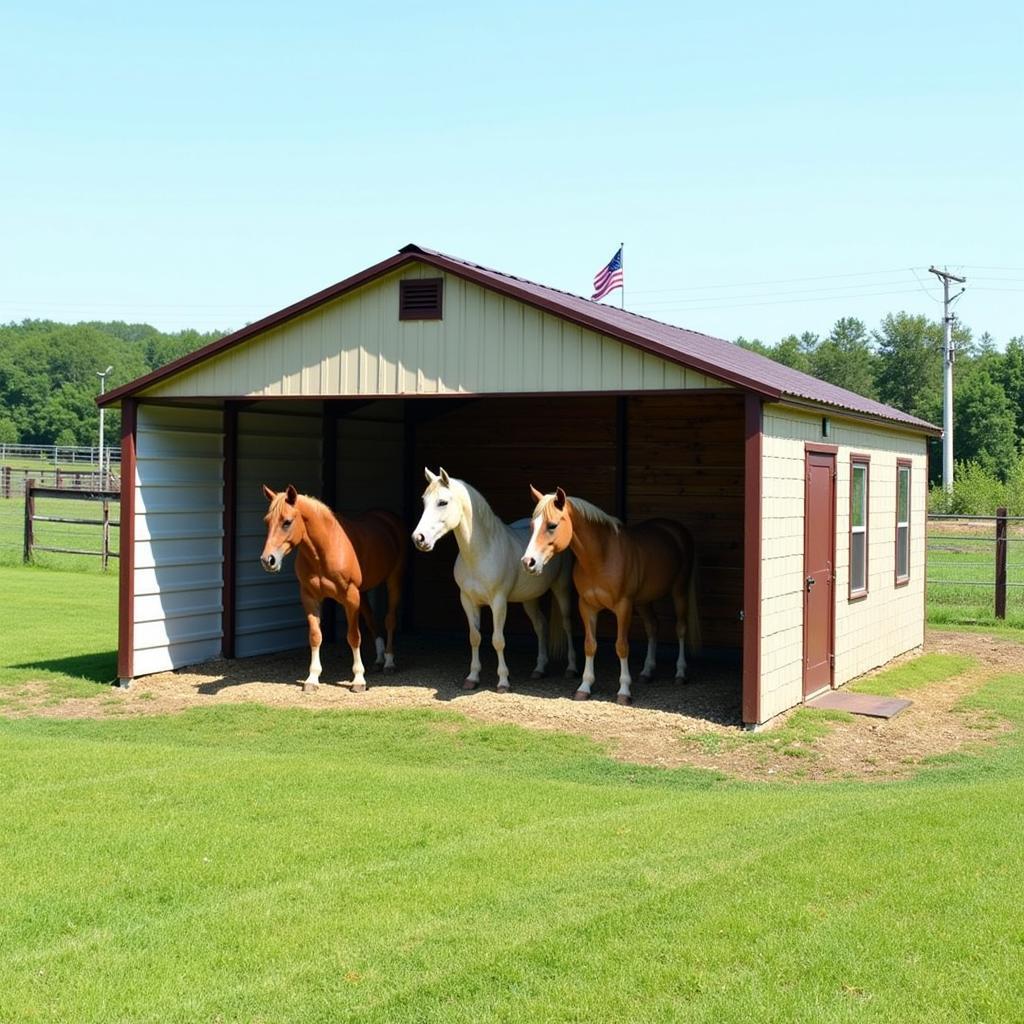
976 569
57 454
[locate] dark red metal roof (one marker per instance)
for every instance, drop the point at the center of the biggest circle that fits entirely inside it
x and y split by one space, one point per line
713 356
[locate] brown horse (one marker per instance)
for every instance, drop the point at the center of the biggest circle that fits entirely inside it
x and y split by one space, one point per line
340 558
618 568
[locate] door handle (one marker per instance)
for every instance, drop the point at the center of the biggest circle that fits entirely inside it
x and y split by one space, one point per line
810 583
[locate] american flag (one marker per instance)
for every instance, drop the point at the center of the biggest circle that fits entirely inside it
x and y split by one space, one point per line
608 278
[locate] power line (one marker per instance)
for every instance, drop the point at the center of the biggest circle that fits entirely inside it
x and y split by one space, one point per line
789 280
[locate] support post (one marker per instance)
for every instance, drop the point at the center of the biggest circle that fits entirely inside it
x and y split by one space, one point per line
1000 563
751 611
6 477
230 530
126 548
329 494
949 355
621 456
105 553
30 512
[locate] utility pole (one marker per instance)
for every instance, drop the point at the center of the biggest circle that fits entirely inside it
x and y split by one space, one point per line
948 353
102 374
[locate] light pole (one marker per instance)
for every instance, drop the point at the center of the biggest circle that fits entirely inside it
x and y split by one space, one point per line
103 387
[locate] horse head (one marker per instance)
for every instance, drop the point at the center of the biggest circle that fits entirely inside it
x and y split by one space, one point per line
285 527
442 511
551 530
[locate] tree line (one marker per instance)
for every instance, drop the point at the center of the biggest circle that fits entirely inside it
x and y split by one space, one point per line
48 381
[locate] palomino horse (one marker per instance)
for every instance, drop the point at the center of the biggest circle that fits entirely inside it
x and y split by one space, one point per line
488 572
619 568
339 558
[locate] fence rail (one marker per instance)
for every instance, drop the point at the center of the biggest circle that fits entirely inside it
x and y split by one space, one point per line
34 492
54 453
963 554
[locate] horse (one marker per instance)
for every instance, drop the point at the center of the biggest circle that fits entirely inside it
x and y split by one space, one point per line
488 572
342 558
618 568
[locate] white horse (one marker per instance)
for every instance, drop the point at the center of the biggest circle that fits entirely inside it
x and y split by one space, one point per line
489 572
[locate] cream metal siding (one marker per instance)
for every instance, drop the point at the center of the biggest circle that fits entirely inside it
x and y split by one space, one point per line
275 449
873 629
178 538
485 344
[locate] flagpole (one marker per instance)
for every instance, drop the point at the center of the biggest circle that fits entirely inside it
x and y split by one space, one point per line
622 261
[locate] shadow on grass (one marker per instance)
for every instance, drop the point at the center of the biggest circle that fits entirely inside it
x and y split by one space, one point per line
96 667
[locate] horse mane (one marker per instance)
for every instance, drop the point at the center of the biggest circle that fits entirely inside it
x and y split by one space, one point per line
317 506
481 513
588 511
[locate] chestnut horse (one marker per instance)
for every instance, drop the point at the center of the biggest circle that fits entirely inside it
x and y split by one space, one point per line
618 568
340 558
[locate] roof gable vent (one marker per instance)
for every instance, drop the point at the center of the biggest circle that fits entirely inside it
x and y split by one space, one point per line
420 298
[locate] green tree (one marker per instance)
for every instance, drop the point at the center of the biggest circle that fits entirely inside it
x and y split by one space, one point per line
1009 372
983 422
846 358
910 365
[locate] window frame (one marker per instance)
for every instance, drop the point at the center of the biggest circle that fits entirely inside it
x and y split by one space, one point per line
908 465
859 459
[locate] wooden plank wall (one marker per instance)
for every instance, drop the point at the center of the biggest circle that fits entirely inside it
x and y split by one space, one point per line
684 460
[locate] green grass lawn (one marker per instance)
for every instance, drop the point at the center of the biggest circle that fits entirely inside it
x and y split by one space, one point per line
247 864
60 535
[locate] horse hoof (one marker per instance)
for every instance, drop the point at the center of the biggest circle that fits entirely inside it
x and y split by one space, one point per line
359 687
581 695
536 674
645 678
310 687
389 669
571 673
681 679
469 684
623 698
504 689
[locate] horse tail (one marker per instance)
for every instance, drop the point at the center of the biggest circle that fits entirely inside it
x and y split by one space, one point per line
558 646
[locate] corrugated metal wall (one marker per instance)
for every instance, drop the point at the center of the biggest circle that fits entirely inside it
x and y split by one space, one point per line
178 538
486 344
276 449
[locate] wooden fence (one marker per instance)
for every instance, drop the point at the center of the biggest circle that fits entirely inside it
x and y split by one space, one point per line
34 491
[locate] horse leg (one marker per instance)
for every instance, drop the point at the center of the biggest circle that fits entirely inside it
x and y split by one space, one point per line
351 602
312 609
589 615
646 612
394 585
623 620
679 600
561 593
370 621
532 609
499 609
472 611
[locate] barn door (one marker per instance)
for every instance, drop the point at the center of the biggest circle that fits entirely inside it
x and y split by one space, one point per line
819 569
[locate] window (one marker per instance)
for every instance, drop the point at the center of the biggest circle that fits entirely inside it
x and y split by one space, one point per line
859 525
902 521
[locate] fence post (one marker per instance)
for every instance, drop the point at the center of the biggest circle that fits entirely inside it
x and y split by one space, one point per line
1000 563
30 511
106 533
7 481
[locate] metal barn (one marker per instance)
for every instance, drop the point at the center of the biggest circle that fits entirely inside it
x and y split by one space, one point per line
807 501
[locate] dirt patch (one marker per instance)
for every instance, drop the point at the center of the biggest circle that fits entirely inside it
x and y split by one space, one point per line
697 724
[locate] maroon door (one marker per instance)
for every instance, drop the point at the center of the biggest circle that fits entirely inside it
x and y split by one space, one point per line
819 582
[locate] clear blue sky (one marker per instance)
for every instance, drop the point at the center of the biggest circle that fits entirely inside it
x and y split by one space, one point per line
204 164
